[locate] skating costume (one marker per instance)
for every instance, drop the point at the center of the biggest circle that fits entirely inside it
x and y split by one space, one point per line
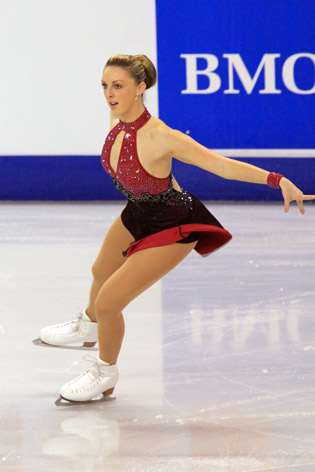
156 214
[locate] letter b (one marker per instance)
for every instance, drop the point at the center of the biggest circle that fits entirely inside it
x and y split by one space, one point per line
192 73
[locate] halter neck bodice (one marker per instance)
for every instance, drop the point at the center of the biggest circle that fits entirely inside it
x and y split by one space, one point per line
130 177
137 124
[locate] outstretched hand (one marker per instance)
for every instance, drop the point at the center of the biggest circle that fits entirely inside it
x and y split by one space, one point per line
291 193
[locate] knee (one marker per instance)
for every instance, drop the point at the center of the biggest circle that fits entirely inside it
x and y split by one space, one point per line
98 273
106 308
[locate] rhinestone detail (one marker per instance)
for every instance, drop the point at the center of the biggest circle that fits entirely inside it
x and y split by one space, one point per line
132 175
273 179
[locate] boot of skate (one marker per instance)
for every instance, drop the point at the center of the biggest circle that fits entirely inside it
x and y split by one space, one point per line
100 379
80 330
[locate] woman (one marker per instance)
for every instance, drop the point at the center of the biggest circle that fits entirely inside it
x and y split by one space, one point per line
160 225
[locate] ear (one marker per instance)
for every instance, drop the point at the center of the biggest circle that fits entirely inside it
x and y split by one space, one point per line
141 88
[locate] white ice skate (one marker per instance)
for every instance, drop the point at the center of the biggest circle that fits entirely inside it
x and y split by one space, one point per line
81 330
99 380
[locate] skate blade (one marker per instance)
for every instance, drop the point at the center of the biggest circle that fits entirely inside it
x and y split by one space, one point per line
64 402
39 342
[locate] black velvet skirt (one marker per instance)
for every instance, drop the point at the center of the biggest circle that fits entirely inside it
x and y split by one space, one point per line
182 220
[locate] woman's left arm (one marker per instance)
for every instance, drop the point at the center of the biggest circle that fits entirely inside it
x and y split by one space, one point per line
187 150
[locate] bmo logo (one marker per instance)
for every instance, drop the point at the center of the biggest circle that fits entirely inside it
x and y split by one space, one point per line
235 66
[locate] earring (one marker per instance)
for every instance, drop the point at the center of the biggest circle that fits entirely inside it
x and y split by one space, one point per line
136 97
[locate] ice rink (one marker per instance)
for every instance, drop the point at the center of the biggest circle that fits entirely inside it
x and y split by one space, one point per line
217 369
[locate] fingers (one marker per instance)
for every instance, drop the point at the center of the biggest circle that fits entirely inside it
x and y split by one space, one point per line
299 201
300 205
308 197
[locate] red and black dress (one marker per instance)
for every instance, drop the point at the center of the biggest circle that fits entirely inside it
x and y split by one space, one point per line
156 214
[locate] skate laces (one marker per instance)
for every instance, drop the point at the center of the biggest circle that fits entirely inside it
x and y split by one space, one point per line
75 321
92 376
96 366
94 372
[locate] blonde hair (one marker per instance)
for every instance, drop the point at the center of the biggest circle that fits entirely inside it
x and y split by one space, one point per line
139 67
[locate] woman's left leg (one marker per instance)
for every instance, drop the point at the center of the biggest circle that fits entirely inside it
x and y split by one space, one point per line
139 272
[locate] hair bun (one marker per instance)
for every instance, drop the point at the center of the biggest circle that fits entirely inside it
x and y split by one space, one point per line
150 70
139 67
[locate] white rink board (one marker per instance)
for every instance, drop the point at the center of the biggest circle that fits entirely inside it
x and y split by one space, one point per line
51 62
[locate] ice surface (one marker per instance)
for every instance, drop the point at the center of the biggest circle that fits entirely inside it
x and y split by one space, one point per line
217 366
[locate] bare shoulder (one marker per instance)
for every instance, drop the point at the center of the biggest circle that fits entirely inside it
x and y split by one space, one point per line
159 129
174 143
162 135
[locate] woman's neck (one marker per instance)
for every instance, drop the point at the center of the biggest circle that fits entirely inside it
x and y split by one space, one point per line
132 115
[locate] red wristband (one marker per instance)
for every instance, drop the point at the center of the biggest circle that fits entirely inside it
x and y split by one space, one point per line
273 180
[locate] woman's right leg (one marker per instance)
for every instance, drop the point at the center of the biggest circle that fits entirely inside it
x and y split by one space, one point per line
83 328
109 259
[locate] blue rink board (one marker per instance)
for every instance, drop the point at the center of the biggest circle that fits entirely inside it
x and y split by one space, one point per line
83 178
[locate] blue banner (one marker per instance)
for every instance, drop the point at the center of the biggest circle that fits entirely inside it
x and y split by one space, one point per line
238 75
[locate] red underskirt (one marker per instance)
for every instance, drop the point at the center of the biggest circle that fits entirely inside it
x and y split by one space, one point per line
210 238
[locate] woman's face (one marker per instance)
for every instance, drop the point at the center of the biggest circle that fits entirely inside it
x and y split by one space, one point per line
120 89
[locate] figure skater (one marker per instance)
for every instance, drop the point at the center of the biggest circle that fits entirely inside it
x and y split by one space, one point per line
160 225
